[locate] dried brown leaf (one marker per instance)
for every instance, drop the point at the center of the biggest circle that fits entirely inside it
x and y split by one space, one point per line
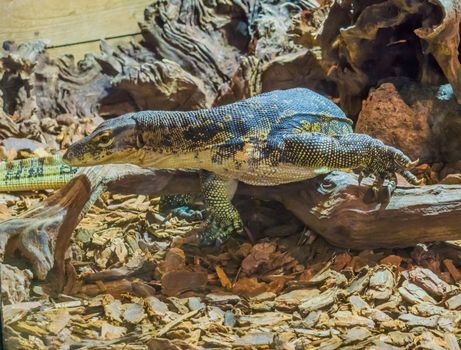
225 281
177 282
341 261
454 271
249 287
175 259
393 260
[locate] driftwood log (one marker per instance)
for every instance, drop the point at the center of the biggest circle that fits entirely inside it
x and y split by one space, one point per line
197 54
334 206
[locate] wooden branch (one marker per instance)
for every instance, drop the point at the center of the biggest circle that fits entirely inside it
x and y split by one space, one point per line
338 209
333 206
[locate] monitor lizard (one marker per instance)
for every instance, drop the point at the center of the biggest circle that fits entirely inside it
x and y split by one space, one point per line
274 138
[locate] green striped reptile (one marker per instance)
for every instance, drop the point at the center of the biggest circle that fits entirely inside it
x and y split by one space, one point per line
35 174
274 138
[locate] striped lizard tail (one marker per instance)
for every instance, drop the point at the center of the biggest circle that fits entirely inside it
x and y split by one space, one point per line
35 174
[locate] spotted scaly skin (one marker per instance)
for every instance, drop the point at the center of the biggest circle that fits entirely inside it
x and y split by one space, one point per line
274 138
180 205
35 174
223 218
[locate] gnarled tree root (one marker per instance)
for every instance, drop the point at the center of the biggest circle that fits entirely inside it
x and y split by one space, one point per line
333 206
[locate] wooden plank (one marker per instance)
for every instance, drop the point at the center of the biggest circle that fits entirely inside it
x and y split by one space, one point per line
66 22
79 50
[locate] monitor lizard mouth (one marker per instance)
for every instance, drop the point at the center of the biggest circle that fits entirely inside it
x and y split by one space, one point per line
88 151
75 157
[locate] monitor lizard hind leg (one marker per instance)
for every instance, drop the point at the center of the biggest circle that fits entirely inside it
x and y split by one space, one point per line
223 218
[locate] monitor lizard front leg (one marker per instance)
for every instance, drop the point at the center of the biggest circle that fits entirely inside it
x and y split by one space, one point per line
223 218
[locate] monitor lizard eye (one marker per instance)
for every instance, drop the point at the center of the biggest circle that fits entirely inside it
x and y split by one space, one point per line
103 140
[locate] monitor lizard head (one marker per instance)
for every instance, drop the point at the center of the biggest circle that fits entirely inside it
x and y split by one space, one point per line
113 141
